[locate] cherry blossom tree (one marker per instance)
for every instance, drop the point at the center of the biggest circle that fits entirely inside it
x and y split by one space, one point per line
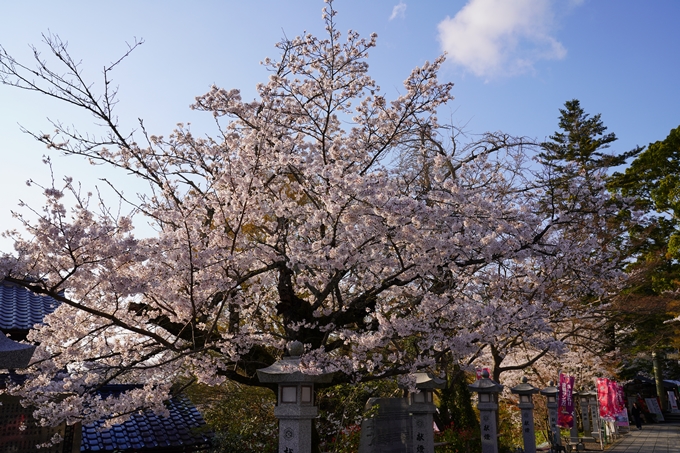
321 212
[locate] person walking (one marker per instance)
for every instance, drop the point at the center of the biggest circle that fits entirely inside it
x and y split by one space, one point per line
637 415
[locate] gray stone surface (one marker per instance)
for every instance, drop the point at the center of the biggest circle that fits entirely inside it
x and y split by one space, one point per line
294 410
526 394
390 430
654 438
488 395
14 355
487 422
288 370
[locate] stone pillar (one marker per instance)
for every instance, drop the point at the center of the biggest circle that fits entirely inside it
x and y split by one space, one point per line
526 407
551 392
422 408
595 414
295 428
488 391
295 407
585 416
574 427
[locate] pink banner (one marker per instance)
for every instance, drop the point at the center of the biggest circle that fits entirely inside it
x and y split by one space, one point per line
620 398
565 410
611 399
603 397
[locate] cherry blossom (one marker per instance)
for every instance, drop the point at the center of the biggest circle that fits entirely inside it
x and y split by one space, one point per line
322 212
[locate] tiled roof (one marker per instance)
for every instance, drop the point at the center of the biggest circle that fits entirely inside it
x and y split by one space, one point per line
21 309
184 430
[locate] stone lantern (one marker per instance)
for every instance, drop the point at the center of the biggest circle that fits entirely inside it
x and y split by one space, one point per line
526 406
421 407
295 407
487 404
551 394
14 355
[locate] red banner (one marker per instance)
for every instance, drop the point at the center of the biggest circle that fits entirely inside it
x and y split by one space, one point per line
620 397
610 397
565 409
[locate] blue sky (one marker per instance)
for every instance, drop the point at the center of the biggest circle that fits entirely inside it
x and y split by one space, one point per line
514 64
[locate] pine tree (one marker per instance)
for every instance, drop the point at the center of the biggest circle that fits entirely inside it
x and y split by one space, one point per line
581 141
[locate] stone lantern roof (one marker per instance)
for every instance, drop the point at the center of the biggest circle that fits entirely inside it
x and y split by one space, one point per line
485 384
524 388
550 390
289 370
14 355
429 381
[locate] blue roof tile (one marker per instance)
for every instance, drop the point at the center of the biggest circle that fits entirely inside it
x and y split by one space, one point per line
21 309
184 430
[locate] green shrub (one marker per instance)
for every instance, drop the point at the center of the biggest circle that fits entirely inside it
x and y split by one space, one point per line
459 440
341 410
241 416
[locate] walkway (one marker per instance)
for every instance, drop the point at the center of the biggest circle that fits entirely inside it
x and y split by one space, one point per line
653 438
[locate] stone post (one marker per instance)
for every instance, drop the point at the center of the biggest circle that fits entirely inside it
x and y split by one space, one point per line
295 407
595 415
574 426
526 407
583 397
422 408
488 391
551 392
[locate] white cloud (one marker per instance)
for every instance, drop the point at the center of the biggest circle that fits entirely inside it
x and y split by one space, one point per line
398 11
500 37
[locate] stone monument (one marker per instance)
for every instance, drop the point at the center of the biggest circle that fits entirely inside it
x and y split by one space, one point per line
389 429
402 425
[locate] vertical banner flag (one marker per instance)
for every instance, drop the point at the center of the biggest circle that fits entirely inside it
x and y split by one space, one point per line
608 398
602 391
565 410
621 397
615 400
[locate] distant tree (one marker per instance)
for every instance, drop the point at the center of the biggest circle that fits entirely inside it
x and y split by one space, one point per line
651 301
580 144
321 212
574 167
653 178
